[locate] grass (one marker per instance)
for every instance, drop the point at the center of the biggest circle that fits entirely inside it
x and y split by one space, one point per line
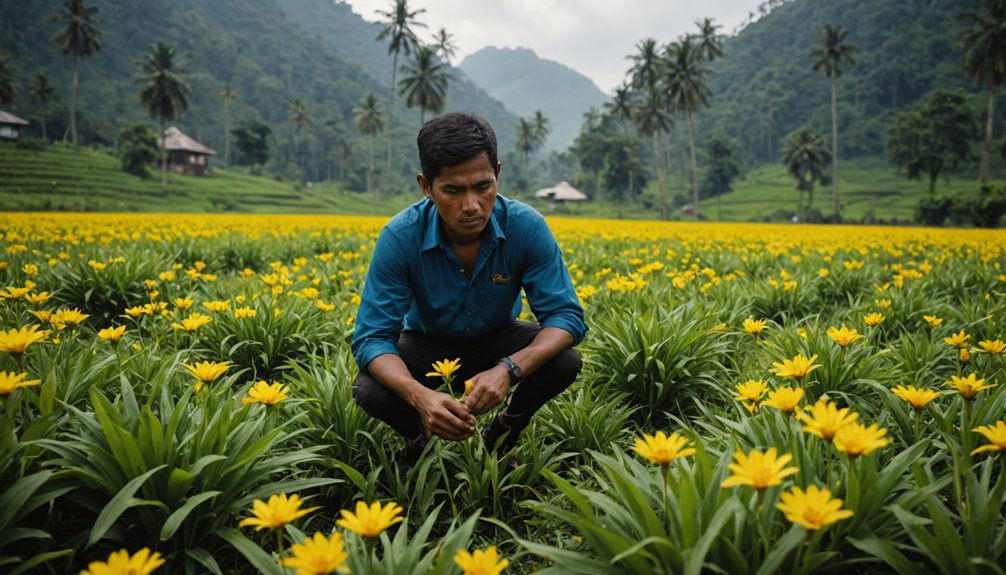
66 178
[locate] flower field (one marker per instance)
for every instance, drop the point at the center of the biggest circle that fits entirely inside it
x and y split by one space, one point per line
175 398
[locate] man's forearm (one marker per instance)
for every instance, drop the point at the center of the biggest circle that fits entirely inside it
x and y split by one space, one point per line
549 342
390 371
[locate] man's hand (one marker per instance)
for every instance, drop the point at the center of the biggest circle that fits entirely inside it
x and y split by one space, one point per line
444 416
489 389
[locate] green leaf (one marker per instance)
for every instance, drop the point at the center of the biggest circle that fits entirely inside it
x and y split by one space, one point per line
205 559
122 501
886 551
781 550
255 555
175 520
15 495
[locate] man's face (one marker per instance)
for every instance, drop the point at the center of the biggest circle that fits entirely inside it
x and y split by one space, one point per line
464 195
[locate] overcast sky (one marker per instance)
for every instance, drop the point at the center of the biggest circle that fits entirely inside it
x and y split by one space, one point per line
591 36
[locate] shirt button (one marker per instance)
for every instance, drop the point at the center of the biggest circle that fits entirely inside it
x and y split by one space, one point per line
468 313
468 329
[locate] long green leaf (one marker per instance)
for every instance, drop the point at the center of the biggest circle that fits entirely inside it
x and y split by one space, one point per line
122 501
175 520
255 555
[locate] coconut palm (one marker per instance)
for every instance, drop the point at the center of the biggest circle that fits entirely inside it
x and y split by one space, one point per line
227 95
805 157
645 71
710 44
620 106
8 85
300 120
425 82
369 120
542 128
652 120
164 90
398 30
42 92
79 38
685 77
527 142
828 55
985 61
443 44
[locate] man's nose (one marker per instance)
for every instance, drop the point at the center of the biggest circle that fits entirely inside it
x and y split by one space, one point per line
470 202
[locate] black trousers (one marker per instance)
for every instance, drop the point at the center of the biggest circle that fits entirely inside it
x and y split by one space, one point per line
478 354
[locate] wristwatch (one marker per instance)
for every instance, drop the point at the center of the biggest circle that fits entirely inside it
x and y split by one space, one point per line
516 375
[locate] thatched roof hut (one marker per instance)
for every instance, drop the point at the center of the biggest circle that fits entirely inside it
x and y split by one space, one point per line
185 155
10 125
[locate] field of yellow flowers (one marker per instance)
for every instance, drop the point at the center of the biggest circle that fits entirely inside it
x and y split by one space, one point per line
175 398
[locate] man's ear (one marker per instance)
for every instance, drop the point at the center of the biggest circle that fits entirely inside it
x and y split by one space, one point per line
499 166
424 185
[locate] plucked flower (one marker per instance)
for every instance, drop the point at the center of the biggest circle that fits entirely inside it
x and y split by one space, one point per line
112 334
759 470
917 397
370 521
784 398
855 439
812 509
661 448
318 555
843 336
968 386
9 381
15 341
480 562
824 418
121 563
207 371
195 321
957 340
873 319
445 369
797 368
275 513
991 347
754 326
996 434
266 394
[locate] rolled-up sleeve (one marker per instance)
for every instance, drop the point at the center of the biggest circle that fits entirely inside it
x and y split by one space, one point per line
549 289
385 299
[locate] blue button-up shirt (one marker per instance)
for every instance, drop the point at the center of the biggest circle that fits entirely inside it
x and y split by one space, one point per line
416 281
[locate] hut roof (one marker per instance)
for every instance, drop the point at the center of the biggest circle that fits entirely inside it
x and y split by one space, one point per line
561 192
175 139
8 118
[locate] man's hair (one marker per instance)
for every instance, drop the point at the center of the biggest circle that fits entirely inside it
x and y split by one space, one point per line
453 139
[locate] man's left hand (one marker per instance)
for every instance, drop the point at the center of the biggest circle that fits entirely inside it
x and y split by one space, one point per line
489 389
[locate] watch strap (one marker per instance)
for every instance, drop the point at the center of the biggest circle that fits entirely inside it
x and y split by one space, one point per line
516 375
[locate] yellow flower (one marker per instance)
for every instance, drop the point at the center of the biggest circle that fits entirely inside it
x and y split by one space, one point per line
217 305
112 334
933 320
182 303
445 369
120 563
318 555
469 384
9 381
784 399
68 318
812 509
15 341
843 336
136 311
958 339
917 397
991 347
873 319
753 326
266 394
42 315
855 439
963 355
759 470
968 386
195 321
244 312
824 418
207 371
14 293
996 434
480 562
37 298
370 521
661 448
751 390
324 306
279 511
797 368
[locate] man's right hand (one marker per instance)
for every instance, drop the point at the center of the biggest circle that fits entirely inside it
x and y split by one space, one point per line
443 416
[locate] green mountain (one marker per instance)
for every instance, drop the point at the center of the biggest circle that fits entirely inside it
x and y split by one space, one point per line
527 83
270 51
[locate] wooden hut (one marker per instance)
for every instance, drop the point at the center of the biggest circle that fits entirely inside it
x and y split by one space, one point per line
185 155
10 125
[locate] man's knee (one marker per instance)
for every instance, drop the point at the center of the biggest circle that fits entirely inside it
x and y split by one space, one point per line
368 393
568 364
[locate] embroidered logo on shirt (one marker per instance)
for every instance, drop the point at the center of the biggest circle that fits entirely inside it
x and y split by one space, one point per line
500 279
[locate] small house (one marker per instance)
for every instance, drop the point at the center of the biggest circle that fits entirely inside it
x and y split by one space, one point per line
185 155
561 192
10 125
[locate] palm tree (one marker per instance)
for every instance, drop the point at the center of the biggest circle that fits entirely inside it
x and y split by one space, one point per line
620 107
227 95
805 156
80 38
527 142
42 92
645 71
8 85
300 120
425 82
652 120
164 90
398 30
542 128
369 120
828 55
443 44
685 77
710 44
985 61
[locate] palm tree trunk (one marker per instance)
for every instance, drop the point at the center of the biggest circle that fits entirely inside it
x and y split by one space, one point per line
983 170
834 150
44 135
164 157
370 161
694 165
660 177
73 103
391 114
227 135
